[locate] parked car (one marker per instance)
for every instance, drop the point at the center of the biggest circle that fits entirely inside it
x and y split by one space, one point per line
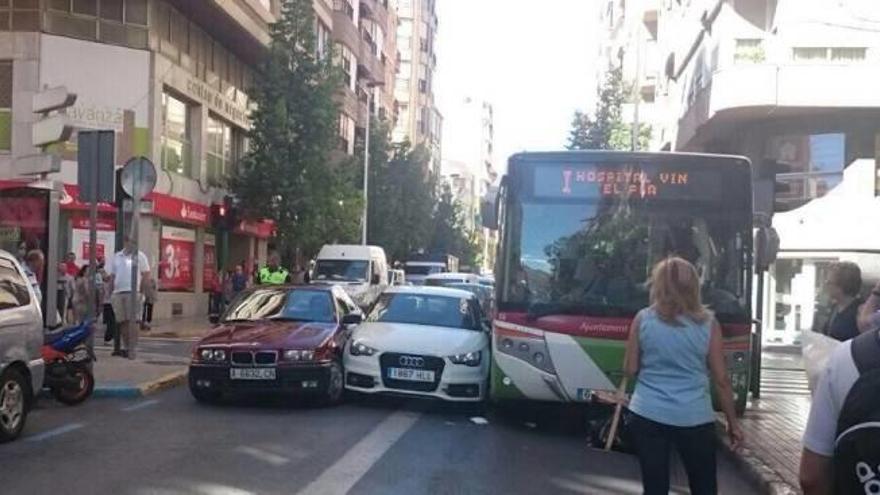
284 339
444 279
21 336
423 341
362 271
487 281
485 294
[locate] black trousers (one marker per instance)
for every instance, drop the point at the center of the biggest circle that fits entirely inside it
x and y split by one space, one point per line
148 313
110 322
695 445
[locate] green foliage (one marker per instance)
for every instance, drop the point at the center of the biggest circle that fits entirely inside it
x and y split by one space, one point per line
286 175
450 234
606 131
401 195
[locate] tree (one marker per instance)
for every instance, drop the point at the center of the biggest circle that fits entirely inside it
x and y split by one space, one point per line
450 234
286 175
401 195
606 131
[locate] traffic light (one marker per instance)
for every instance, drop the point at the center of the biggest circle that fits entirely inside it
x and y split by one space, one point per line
51 128
225 215
769 173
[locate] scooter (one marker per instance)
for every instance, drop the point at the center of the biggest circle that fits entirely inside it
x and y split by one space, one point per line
68 364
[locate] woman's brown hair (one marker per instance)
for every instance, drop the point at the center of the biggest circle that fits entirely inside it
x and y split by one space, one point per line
675 291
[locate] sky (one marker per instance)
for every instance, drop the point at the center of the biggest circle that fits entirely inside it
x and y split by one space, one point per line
534 60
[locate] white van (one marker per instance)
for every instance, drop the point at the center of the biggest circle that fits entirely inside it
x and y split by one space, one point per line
444 279
362 271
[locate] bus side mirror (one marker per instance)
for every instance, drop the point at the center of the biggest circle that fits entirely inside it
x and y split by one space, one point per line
766 248
488 214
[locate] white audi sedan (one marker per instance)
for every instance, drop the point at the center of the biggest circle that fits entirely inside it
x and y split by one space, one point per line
426 341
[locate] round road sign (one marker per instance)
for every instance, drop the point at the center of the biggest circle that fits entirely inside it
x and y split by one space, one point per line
138 175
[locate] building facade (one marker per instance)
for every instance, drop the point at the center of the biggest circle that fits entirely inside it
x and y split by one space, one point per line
778 81
170 77
468 164
419 120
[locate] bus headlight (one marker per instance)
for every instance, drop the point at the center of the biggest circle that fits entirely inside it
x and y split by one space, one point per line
532 349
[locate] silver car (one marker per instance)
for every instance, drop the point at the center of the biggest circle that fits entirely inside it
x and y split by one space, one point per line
21 336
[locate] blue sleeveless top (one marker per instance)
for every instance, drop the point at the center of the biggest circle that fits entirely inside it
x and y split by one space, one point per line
673 382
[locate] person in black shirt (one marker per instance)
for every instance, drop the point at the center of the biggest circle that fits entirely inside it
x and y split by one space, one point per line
843 285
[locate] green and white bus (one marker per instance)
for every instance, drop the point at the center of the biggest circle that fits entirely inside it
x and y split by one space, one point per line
579 235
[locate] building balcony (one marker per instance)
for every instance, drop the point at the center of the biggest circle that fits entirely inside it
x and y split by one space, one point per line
369 65
350 104
376 11
735 93
344 29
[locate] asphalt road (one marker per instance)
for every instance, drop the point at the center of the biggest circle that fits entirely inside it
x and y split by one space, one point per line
168 444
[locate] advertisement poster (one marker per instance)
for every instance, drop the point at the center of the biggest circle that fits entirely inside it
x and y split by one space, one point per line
210 261
79 239
177 251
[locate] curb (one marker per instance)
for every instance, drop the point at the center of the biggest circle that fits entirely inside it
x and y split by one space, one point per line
758 472
166 382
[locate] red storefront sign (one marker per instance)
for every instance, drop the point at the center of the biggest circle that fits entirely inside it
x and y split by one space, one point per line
177 248
210 267
180 210
106 234
262 229
70 201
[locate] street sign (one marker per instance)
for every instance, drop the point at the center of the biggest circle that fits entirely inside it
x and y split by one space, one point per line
50 130
95 174
40 163
52 99
138 177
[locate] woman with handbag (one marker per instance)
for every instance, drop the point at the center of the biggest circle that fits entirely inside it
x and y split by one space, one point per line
674 345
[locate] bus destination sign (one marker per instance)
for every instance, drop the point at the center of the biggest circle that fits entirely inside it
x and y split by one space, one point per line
645 181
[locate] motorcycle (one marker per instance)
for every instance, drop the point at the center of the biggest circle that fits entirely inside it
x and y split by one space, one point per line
68 364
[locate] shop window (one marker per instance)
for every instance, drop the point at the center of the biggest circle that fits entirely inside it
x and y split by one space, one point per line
176 136
816 163
5 105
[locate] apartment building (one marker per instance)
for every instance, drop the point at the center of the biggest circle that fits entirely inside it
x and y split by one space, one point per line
785 81
419 121
468 164
170 77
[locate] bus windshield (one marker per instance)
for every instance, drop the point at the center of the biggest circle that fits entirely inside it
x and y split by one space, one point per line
592 253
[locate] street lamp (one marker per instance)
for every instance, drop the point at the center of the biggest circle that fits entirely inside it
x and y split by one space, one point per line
368 86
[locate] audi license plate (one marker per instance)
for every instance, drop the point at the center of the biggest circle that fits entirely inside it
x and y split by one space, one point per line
252 373
411 374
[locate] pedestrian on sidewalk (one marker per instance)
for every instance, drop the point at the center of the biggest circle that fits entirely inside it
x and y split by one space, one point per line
673 346
151 294
273 273
215 294
239 280
842 286
869 314
127 314
109 316
79 301
34 262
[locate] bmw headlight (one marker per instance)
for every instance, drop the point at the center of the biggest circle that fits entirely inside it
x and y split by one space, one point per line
208 355
298 355
468 359
360 349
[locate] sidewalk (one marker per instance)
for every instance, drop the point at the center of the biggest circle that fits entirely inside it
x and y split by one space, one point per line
158 365
773 426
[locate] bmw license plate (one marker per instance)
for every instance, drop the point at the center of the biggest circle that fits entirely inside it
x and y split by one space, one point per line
252 373
411 375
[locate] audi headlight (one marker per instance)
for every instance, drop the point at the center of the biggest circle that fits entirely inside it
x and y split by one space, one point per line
299 355
361 349
468 358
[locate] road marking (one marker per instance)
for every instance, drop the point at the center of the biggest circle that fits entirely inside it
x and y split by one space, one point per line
348 470
55 432
140 405
263 455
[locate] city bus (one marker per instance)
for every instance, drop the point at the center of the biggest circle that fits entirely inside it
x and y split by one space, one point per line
579 234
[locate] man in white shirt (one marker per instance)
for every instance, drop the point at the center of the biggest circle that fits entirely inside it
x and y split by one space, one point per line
119 271
834 384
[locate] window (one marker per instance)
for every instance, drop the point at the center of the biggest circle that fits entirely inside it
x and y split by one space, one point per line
816 163
283 304
749 51
111 10
824 54
322 38
348 63
225 147
6 105
428 310
120 22
346 133
85 7
20 15
345 7
13 286
176 136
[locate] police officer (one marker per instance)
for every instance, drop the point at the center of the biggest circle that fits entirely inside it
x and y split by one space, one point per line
273 273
